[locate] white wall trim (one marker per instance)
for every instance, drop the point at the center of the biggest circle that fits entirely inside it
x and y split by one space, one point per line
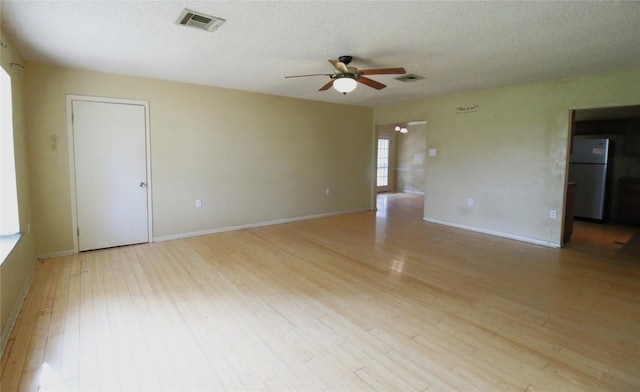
61 253
412 192
495 233
15 310
72 169
253 225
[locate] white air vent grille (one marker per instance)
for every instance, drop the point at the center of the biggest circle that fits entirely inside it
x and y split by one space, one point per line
199 20
409 78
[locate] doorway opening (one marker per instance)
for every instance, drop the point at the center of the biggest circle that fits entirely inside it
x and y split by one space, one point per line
400 165
604 176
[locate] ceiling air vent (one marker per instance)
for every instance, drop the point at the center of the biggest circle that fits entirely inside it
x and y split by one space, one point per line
409 78
199 20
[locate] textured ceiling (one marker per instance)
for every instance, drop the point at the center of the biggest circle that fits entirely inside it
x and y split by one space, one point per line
455 46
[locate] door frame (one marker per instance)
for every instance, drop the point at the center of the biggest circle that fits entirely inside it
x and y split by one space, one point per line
72 167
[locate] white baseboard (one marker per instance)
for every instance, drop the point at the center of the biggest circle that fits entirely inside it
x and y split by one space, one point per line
68 252
413 192
15 309
495 233
252 225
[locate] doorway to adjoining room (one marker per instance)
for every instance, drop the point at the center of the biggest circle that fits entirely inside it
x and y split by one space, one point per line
604 207
400 159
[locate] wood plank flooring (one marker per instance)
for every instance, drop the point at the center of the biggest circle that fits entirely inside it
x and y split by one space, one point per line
368 301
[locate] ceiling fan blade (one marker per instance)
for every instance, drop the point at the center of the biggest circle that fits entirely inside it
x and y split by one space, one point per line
339 65
327 86
304 76
371 83
383 71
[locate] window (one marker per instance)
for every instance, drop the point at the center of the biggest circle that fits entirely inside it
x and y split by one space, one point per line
383 163
9 219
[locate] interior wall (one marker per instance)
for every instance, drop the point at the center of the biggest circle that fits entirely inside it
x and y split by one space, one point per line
17 268
506 149
249 157
412 148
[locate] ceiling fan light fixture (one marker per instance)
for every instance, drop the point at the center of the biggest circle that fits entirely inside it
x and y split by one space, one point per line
345 84
346 78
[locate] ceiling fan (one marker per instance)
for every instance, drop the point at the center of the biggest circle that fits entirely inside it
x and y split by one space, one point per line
346 78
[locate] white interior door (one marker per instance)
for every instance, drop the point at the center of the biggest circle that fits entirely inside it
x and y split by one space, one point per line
110 162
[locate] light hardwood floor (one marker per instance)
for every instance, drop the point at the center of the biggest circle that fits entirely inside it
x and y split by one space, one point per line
366 301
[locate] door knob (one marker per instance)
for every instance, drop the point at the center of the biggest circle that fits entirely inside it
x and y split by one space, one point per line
142 185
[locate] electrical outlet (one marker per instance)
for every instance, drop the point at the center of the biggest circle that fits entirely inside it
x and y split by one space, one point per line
327 191
552 214
470 202
198 203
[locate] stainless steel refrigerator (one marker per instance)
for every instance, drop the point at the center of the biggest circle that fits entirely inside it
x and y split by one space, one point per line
589 167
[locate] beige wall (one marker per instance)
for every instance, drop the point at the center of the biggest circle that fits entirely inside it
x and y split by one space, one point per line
249 157
509 153
16 270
